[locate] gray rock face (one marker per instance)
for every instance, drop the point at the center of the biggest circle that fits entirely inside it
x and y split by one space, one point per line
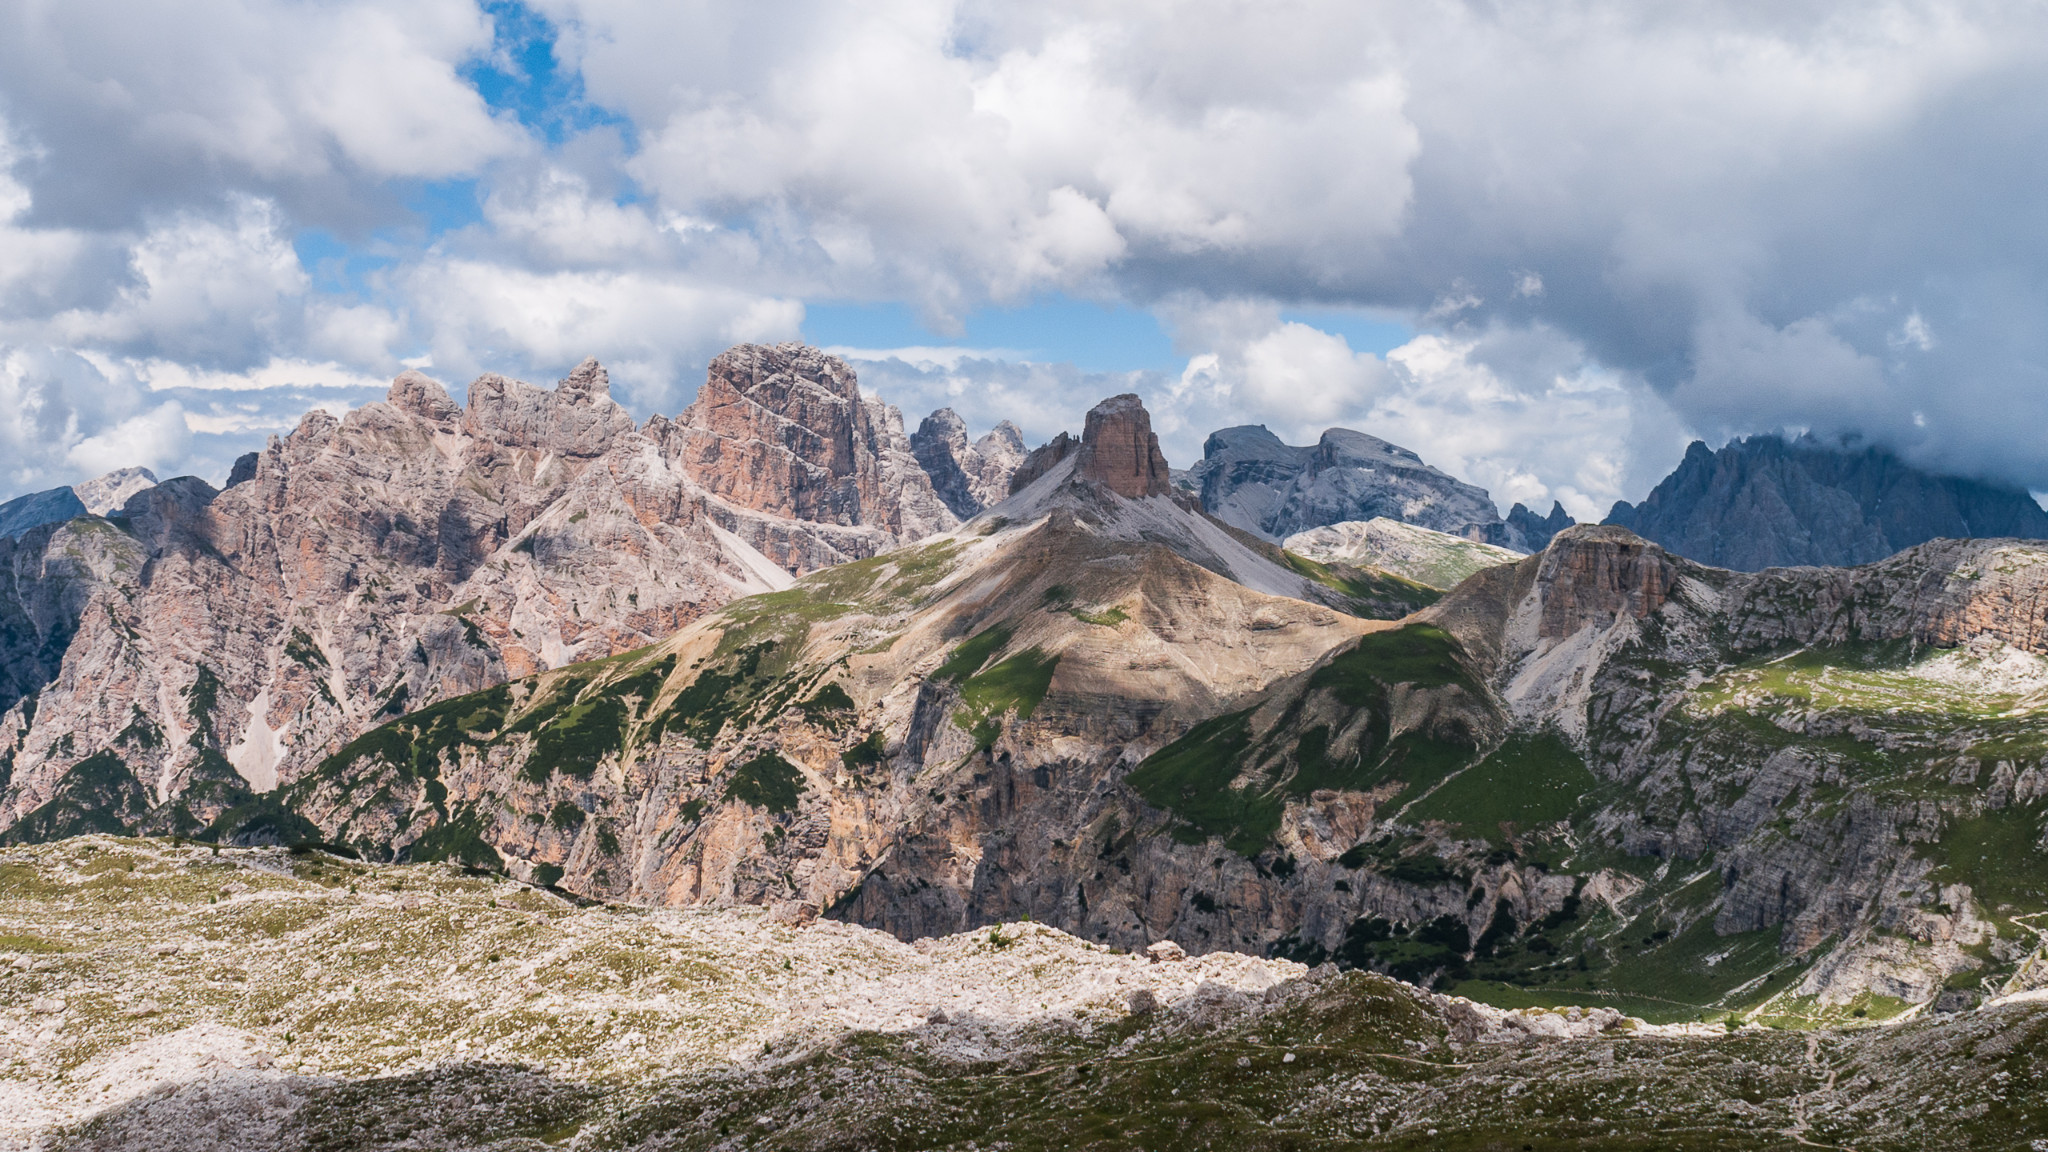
1528 532
55 506
204 645
1249 479
967 477
1765 502
111 492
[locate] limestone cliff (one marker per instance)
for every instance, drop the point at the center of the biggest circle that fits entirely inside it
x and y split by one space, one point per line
967 477
783 432
201 646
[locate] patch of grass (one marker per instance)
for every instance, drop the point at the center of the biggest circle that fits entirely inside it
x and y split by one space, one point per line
1530 780
97 794
1998 854
1374 595
303 651
867 754
828 707
968 658
767 781
1421 655
23 942
1109 619
459 839
1017 684
1192 776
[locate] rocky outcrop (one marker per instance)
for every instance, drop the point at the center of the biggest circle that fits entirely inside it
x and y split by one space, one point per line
967 477
1120 451
213 644
23 513
111 492
1043 460
783 431
1768 502
1249 479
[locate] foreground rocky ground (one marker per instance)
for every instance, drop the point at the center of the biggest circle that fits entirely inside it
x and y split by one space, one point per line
167 996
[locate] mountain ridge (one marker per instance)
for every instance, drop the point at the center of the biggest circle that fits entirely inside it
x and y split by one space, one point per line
1765 502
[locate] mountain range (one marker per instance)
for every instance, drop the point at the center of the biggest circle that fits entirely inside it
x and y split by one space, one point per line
778 652
1766 501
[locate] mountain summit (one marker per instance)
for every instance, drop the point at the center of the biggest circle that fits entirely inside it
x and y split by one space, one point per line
1252 480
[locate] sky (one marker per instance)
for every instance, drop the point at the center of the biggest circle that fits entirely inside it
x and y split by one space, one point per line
1543 244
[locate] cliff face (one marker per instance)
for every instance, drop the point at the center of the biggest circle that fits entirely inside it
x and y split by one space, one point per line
967 477
1250 479
1765 502
204 646
783 432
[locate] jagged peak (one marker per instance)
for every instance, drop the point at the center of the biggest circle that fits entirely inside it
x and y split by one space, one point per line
415 392
587 380
747 368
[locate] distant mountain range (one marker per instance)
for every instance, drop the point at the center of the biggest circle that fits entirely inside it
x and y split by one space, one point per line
1768 502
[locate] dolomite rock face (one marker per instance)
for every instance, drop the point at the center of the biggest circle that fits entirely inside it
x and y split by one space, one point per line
1120 452
108 493
206 645
967 477
783 431
1250 479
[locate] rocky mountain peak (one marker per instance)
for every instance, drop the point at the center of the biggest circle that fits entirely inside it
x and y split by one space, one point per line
1120 451
576 418
108 493
415 392
1767 502
1250 479
1532 533
968 477
783 430
586 382
1596 574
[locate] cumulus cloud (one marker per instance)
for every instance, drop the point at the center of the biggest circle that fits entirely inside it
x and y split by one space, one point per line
1611 220
647 328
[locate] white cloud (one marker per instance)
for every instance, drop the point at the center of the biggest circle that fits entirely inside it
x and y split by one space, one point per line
1767 215
148 439
270 88
645 327
200 287
166 375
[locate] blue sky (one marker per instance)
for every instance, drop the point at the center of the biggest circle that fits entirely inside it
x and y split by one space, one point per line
1543 245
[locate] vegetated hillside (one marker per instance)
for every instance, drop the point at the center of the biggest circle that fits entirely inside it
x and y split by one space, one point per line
1610 774
1766 501
173 996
